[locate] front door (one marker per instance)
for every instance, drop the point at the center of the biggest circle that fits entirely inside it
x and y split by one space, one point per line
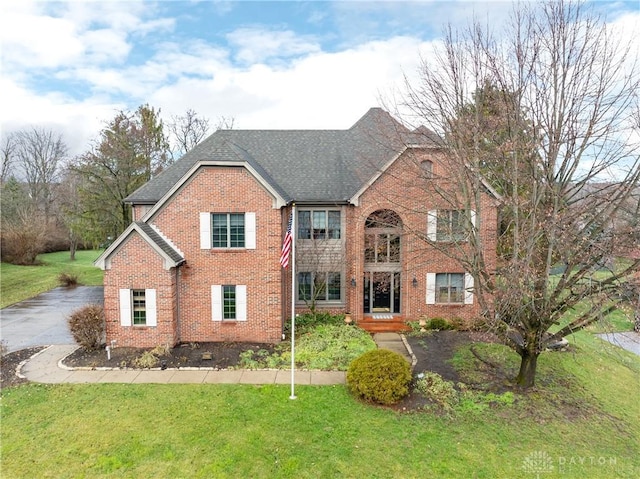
381 292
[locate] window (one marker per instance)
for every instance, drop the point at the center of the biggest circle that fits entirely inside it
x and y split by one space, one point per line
427 169
449 288
382 248
229 302
449 225
138 307
227 230
318 224
319 286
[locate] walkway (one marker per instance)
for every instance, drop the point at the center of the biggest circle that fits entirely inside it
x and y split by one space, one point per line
46 367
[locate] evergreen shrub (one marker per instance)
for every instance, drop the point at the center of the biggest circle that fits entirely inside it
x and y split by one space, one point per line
380 376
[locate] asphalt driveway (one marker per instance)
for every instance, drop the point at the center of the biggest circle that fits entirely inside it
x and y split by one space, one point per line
42 320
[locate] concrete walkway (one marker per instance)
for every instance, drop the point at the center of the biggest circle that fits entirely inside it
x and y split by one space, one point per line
396 343
46 367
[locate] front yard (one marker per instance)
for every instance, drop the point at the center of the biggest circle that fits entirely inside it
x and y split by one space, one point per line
580 421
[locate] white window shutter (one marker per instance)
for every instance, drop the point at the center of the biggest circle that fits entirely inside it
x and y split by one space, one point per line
205 230
241 302
432 224
150 306
216 302
250 230
472 214
125 307
431 288
468 288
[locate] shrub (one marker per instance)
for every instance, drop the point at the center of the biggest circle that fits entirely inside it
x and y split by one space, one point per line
309 320
434 387
146 360
381 376
439 324
68 279
87 325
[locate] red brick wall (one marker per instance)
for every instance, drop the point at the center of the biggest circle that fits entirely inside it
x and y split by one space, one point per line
225 190
402 189
137 266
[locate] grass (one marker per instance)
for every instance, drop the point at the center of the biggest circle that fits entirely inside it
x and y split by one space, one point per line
21 282
582 417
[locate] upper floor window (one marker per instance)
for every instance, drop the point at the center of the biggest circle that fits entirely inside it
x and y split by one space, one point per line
318 224
449 225
227 230
427 169
382 237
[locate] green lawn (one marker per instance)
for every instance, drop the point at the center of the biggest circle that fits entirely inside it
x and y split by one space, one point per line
22 282
582 420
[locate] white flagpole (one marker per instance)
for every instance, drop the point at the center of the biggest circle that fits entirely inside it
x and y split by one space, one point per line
293 299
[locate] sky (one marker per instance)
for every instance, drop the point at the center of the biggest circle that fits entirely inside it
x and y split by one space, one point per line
72 66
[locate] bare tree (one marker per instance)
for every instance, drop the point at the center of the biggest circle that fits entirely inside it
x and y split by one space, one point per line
7 156
187 131
39 154
540 114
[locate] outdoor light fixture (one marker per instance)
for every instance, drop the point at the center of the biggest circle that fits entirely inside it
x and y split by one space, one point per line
414 282
353 282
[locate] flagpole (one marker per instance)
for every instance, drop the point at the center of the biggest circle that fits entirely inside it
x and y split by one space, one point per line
293 299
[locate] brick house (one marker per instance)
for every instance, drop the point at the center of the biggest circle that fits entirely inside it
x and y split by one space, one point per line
200 262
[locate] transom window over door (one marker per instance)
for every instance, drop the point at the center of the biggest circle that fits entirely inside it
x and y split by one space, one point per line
382 237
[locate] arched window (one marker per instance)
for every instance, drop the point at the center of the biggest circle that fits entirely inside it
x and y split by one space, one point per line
427 168
382 237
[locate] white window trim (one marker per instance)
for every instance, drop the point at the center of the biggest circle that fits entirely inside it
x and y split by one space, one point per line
432 224
249 231
126 307
431 289
217 303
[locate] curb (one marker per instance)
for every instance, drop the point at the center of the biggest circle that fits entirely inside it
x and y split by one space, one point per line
414 360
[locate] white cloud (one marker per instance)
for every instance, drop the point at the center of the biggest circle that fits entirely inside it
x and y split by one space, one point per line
258 45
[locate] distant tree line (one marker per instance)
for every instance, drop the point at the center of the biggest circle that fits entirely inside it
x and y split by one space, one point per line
51 202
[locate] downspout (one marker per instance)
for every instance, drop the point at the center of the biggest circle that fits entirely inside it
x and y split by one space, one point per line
178 328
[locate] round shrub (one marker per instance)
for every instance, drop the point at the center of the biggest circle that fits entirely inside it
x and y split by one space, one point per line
87 326
380 375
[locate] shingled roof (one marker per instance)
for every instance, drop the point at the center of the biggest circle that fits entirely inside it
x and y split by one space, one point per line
301 165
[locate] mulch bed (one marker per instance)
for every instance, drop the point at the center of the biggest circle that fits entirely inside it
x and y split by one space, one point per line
9 363
187 355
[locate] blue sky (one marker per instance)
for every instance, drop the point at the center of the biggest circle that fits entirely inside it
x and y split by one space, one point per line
71 66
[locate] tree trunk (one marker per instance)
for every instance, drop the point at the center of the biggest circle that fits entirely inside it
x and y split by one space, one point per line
528 364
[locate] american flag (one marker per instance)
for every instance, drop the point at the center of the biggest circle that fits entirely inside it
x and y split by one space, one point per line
286 245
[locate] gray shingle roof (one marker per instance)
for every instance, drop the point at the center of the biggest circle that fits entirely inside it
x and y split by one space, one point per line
153 235
301 165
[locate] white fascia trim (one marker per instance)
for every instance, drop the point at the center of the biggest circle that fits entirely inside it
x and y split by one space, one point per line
104 260
169 242
355 199
279 202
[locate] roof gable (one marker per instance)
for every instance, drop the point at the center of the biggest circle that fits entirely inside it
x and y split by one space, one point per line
166 250
300 165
